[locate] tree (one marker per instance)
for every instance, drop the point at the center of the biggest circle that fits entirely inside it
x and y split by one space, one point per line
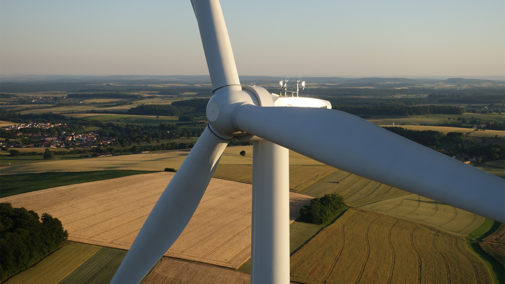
242 153
14 153
48 155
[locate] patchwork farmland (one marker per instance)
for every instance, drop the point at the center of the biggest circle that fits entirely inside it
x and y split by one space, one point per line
57 265
368 247
111 212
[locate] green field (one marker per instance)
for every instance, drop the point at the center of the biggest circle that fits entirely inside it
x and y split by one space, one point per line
126 119
63 109
100 268
367 247
496 168
57 265
433 119
6 160
16 184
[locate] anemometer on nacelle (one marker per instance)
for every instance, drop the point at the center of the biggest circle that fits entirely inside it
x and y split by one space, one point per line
284 87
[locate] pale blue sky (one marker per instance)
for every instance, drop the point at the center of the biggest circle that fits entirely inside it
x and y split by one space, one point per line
275 37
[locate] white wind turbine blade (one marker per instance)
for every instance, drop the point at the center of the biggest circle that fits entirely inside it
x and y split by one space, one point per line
355 145
216 43
173 210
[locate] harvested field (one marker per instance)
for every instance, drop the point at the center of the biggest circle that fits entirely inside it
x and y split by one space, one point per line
430 212
146 162
184 272
300 177
4 123
367 247
356 190
100 268
57 265
111 212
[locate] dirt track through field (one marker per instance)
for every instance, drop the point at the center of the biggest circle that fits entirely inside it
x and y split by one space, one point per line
110 213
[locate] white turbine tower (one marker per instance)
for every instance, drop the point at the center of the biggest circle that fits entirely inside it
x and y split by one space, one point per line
329 136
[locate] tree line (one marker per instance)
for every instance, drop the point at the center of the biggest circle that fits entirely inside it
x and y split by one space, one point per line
103 95
26 239
397 110
167 110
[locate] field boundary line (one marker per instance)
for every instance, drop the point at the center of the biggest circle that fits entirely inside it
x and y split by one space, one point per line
471 223
474 268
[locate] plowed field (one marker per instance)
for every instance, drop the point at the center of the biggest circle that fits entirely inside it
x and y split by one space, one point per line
367 247
111 212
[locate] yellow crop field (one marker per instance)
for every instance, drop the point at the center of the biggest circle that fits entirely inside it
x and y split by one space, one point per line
99 101
367 247
300 177
172 270
430 212
111 212
444 129
146 162
356 190
4 123
57 265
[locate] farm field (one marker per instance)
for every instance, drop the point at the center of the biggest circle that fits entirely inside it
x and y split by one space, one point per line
7 160
4 123
63 109
125 118
57 265
382 249
300 176
444 129
494 167
171 270
356 190
111 212
365 193
17 184
430 212
433 119
100 268
494 245
156 161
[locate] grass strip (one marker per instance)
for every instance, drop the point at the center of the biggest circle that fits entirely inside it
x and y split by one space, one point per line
495 269
17 184
487 228
473 241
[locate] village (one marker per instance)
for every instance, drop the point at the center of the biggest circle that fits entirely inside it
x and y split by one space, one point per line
58 140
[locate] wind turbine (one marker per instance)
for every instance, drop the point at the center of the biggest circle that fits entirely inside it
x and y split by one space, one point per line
307 127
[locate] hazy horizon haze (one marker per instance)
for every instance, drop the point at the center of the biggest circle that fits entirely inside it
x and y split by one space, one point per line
323 38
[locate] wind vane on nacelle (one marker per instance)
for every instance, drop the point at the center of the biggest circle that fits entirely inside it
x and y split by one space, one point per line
284 86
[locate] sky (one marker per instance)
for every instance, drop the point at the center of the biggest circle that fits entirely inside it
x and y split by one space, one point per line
454 38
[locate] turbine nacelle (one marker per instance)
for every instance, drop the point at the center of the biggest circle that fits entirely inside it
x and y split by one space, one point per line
224 104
